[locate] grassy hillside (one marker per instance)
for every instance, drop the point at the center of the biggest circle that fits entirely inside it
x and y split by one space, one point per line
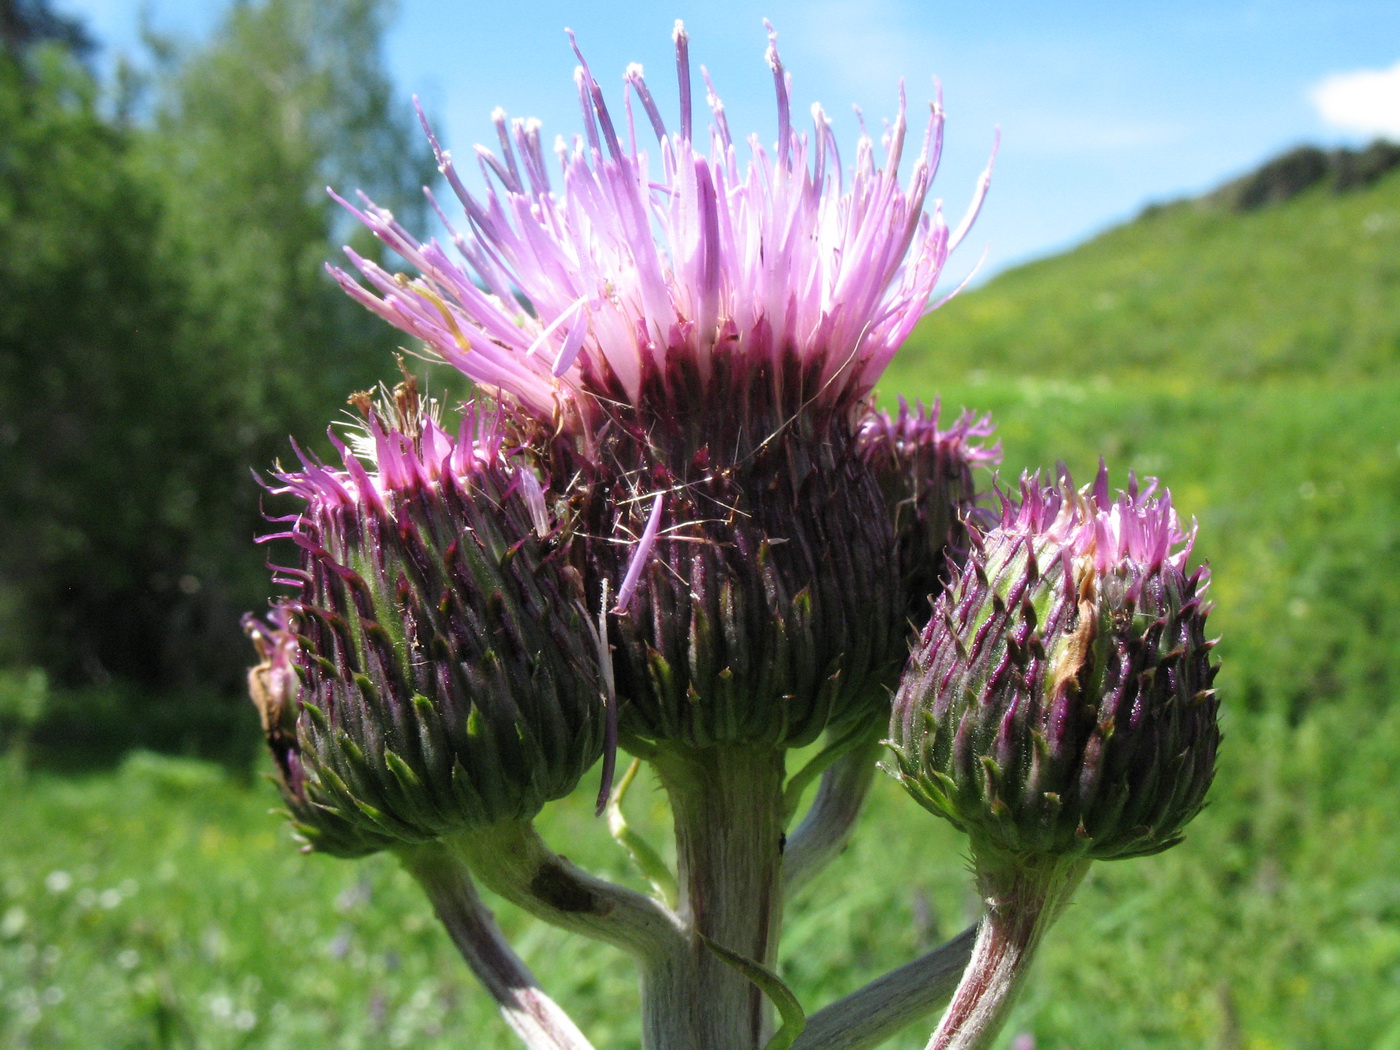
1190 294
1252 360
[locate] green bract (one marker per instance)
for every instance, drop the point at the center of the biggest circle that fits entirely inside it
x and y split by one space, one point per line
769 608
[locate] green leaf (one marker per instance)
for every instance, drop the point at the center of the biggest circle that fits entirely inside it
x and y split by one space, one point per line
771 985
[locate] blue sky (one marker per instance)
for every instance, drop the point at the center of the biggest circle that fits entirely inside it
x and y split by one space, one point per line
1103 106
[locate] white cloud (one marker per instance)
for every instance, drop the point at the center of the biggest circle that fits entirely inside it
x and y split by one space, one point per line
1367 100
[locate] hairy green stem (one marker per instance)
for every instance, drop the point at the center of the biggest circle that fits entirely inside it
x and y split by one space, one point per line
1024 895
727 803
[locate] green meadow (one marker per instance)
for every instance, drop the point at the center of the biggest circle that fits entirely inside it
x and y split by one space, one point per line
1251 360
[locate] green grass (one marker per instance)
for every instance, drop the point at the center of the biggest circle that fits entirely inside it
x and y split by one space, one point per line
162 906
191 921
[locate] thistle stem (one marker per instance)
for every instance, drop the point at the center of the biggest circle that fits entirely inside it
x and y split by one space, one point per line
1024 896
727 803
537 1019
870 1015
511 859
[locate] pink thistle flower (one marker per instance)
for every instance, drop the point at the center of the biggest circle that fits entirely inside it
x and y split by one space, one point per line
1060 701
680 258
1138 526
447 676
927 475
703 335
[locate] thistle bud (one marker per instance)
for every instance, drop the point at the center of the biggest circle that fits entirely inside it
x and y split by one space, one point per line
1059 701
448 673
926 475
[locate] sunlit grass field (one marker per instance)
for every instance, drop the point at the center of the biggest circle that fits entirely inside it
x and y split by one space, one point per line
159 905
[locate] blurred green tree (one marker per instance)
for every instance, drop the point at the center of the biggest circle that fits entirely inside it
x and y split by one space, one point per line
167 323
25 23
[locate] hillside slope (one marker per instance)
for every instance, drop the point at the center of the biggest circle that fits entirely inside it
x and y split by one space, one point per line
1220 288
1245 348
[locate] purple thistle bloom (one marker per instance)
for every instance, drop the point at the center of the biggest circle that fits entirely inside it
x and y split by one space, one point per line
647 261
1059 701
448 674
1138 526
700 338
926 474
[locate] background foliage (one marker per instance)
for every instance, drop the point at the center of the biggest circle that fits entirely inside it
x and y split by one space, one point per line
166 324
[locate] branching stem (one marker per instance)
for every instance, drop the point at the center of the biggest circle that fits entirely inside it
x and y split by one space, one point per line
512 860
537 1019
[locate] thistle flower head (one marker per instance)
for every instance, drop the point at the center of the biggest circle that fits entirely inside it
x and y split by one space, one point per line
701 333
656 269
448 676
927 475
1059 701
